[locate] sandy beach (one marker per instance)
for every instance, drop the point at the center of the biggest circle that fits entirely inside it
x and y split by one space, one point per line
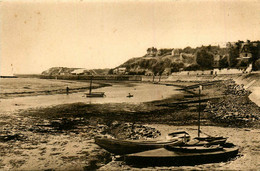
61 136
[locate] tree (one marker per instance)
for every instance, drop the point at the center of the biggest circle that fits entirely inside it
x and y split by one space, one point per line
205 59
158 68
257 65
242 63
188 50
192 67
175 67
223 63
110 71
233 51
255 50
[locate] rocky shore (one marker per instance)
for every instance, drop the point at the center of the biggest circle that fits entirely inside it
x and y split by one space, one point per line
234 109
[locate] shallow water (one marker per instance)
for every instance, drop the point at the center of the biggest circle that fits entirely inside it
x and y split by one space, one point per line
142 92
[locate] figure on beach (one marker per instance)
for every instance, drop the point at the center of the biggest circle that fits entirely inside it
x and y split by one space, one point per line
67 90
130 95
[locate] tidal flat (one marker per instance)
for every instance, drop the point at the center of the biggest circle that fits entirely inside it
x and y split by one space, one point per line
60 136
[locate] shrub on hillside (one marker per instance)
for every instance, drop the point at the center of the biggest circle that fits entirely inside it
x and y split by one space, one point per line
175 67
257 65
223 63
192 67
205 59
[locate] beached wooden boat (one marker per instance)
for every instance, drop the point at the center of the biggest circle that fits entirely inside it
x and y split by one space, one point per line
211 140
195 142
121 147
180 157
198 151
194 149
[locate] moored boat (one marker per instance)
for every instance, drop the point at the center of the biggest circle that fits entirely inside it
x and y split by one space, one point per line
181 156
198 151
194 149
130 95
121 147
94 94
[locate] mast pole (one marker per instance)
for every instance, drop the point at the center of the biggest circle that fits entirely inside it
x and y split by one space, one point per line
200 88
90 86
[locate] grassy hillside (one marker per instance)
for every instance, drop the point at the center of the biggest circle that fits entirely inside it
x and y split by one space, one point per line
158 64
68 71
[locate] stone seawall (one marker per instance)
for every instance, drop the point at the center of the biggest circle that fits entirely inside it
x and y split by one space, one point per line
250 81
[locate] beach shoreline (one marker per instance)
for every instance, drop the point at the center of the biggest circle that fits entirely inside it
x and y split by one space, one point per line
61 137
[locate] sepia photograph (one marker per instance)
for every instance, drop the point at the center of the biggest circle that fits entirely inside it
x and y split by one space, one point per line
129 85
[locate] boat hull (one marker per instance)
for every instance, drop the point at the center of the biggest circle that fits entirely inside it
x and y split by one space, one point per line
95 94
121 147
164 157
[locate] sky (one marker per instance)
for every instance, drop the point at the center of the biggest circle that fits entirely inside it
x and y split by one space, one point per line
36 35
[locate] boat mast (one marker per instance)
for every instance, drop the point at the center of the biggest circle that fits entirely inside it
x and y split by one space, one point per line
90 86
200 88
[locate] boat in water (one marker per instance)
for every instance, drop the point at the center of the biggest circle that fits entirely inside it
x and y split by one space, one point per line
121 147
94 94
130 95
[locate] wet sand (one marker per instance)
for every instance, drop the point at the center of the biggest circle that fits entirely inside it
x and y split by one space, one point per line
22 87
61 137
40 136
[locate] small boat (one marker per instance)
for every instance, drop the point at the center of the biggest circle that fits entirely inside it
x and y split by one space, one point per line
179 156
194 149
130 95
179 134
196 142
198 151
122 147
211 140
94 94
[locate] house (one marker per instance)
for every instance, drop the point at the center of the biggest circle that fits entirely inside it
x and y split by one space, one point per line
248 49
245 52
62 71
151 51
163 52
121 70
81 71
